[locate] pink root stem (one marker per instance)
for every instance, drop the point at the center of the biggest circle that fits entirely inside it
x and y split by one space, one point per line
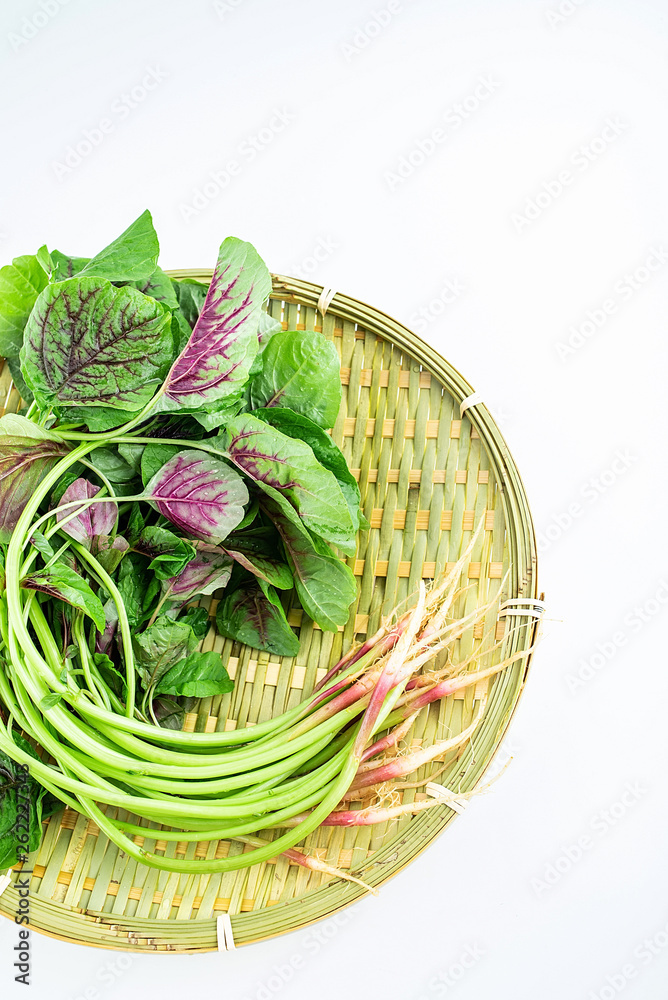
391 740
401 766
369 816
308 861
391 675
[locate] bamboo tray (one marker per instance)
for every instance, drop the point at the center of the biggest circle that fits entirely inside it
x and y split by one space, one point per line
427 473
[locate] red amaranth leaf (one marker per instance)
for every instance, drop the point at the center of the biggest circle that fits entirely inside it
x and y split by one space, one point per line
199 494
98 519
24 461
212 368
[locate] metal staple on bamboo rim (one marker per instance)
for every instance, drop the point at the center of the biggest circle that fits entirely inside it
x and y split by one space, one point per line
142 912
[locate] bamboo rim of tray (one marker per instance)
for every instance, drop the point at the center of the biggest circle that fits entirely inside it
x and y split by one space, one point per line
83 890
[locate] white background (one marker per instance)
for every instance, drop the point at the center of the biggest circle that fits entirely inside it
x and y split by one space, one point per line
584 412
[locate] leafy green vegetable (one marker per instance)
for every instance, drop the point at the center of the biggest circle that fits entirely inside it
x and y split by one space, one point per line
110 551
154 457
199 494
209 570
209 374
20 284
256 617
114 466
198 619
160 646
133 582
326 587
300 370
169 713
278 463
112 340
258 551
170 554
67 585
111 675
23 803
329 455
97 418
24 462
65 266
159 286
132 256
190 295
89 343
200 675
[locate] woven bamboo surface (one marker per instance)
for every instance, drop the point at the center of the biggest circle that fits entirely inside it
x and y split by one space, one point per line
427 475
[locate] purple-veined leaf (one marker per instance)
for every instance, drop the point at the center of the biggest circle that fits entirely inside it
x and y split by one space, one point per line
210 569
97 519
258 551
285 465
88 343
211 370
24 461
200 494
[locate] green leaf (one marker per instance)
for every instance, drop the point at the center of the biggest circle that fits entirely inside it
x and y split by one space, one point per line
250 515
133 580
268 327
158 286
161 646
42 544
200 675
50 701
88 343
97 418
259 552
109 551
18 380
170 554
20 284
23 802
16 425
132 256
135 524
154 457
111 675
325 585
198 619
64 583
301 371
190 295
296 425
283 465
65 266
132 454
258 620
110 462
